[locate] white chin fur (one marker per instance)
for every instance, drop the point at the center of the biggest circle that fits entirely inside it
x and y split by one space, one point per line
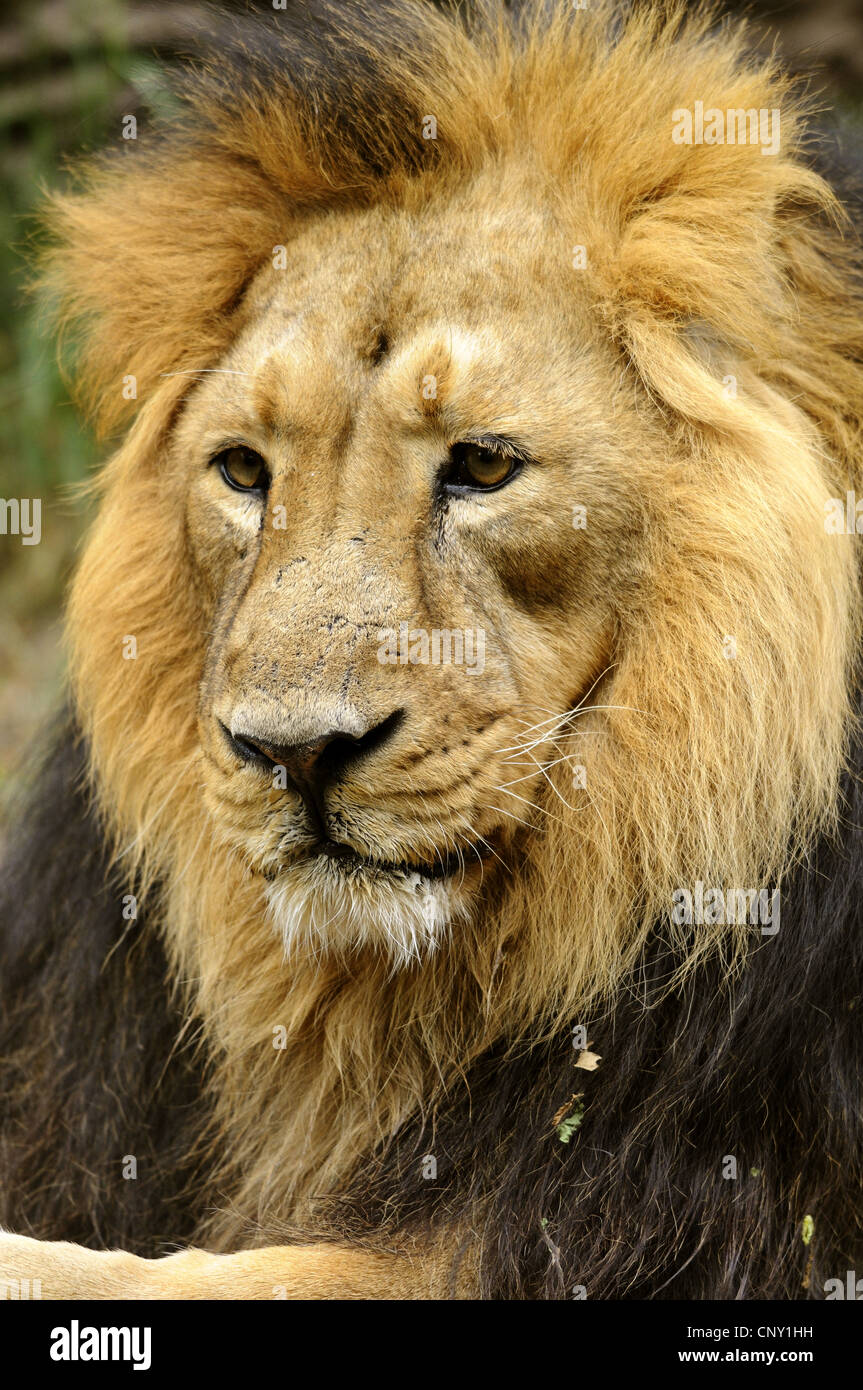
317 907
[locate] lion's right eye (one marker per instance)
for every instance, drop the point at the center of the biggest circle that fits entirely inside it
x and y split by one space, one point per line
243 469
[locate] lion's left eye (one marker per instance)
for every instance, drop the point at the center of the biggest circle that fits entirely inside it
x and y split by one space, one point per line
243 469
480 467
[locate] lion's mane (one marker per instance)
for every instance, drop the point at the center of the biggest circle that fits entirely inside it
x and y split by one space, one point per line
703 261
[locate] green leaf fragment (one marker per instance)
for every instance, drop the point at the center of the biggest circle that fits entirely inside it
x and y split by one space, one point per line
566 1129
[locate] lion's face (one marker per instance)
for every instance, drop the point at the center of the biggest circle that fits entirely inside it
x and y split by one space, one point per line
412 526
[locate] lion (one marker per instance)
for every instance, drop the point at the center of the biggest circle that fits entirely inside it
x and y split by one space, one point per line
444 881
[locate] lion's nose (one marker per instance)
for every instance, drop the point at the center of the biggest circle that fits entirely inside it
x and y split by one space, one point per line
313 764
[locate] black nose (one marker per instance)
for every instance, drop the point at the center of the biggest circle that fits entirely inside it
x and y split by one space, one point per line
311 766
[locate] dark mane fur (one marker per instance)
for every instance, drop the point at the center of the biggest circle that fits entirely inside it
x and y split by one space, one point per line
92 1065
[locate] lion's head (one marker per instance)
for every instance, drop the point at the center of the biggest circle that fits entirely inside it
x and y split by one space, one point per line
383 483
462 587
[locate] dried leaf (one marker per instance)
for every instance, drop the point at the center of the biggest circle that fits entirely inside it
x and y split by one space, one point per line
588 1061
565 1108
569 1117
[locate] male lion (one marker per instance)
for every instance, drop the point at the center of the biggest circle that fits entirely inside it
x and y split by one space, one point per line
462 683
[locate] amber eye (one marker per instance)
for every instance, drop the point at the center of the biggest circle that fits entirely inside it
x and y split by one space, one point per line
243 469
481 467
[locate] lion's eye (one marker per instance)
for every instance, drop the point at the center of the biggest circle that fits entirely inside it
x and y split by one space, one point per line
243 469
480 467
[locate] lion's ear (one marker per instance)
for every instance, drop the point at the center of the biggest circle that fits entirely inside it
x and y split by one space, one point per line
710 274
145 266
722 223
713 292
690 370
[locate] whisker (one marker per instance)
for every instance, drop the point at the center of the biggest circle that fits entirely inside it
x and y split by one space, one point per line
502 812
564 758
534 806
526 746
474 835
578 707
559 796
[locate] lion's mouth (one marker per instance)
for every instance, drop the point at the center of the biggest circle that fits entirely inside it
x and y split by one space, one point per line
348 861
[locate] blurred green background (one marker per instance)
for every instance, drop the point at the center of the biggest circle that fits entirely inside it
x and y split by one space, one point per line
70 70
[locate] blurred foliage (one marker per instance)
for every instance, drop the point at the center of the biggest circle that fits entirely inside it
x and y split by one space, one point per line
69 71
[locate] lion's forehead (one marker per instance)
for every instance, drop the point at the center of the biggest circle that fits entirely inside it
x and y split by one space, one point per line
467 284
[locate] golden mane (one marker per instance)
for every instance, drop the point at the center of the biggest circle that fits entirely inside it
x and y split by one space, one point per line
702 262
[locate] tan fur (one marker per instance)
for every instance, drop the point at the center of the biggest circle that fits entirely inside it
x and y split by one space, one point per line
318 1271
705 519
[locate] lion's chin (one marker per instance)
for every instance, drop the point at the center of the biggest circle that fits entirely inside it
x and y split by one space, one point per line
319 906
